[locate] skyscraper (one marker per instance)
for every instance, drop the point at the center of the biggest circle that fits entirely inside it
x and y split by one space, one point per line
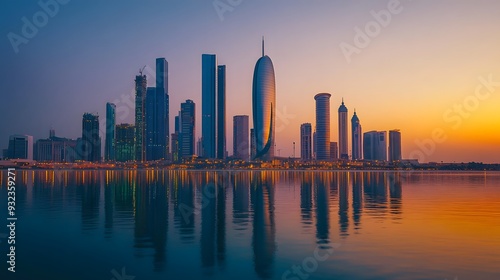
109 145
91 142
221 111
264 107
343 145
394 145
334 151
240 137
187 129
162 109
151 124
253 145
322 144
140 127
175 139
306 141
20 147
208 104
375 145
357 143
125 145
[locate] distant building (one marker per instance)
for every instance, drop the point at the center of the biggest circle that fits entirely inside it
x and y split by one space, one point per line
306 141
357 136
162 112
343 142
375 145
91 141
334 151
322 144
187 129
315 145
241 145
208 105
20 147
395 145
221 111
175 146
125 143
253 148
199 147
140 117
55 149
109 145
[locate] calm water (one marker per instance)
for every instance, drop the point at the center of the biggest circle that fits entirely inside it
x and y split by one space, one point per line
254 225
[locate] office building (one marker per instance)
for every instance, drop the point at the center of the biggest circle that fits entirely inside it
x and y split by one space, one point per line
375 145
20 147
394 145
306 141
162 110
140 118
208 105
357 136
322 143
109 145
334 151
241 145
187 129
343 142
221 111
91 141
264 107
253 145
125 146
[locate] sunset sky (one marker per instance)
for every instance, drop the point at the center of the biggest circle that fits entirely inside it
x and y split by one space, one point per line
433 68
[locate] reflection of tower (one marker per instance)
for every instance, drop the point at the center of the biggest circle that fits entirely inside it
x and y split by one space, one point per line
241 203
343 203
221 221
395 192
89 190
151 216
375 194
109 193
357 198
208 222
306 199
184 211
322 217
263 240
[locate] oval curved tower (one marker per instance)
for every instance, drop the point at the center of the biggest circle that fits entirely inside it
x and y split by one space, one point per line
264 107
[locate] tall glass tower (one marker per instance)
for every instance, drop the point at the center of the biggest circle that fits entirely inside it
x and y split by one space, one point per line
343 145
140 118
208 104
357 146
162 109
322 140
264 107
109 147
221 111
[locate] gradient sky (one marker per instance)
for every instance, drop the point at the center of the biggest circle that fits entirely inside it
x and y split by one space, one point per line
425 61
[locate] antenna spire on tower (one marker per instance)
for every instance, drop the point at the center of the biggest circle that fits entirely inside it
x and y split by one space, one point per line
262 45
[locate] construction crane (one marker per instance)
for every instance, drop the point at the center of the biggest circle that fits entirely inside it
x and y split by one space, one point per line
142 69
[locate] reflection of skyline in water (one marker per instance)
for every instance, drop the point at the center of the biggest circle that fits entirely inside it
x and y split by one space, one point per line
198 201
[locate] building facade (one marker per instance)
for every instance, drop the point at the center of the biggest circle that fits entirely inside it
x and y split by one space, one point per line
375 145
322 143
125 143
109 145
140 117
334 151
306 141
20 147
208 105
187 129
343 142
91 141
221 111
395 145
357 137
241 145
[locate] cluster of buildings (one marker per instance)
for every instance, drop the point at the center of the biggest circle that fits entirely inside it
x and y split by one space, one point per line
372 145
151 139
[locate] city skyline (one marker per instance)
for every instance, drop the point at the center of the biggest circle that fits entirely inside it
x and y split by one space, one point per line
425 89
